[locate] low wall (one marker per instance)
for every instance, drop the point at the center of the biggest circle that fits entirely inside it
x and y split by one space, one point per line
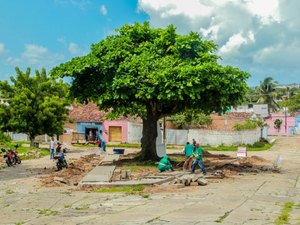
205 137
212 137
134 133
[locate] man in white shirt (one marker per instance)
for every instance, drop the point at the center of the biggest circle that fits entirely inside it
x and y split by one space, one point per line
52 143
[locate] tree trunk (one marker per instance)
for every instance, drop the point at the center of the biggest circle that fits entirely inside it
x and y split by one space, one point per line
149 137
31 138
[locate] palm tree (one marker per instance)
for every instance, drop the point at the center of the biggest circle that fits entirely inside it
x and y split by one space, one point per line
267 94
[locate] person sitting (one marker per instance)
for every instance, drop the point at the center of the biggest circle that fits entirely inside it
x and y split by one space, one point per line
164 164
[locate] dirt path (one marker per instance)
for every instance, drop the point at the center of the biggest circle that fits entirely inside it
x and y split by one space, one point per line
244 199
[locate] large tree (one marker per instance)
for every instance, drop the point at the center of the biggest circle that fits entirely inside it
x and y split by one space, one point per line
154 73
35 105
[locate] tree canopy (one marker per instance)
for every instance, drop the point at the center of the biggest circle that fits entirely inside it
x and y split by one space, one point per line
267 93
154 73
293 104
35 105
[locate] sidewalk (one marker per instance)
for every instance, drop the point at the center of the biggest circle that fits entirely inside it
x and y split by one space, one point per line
243 200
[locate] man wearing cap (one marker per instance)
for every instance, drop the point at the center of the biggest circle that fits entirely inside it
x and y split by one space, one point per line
198 154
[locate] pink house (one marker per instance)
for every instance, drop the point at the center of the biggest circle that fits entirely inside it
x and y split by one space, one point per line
287 126
115 130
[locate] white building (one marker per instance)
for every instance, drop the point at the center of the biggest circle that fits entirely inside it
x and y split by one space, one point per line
261 110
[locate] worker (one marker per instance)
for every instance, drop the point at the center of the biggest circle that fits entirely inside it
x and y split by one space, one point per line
164 164
198 154
188 152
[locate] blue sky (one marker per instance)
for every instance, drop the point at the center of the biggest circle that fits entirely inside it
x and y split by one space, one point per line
260 37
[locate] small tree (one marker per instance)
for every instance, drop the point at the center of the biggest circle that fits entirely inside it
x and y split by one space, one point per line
277 124
35 105
267 93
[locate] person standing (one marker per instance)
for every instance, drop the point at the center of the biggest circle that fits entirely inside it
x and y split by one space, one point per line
188 152
90 135
101 140
52 143
198 154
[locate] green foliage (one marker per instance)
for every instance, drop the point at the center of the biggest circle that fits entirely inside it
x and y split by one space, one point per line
191 118
47 212
277 124
126 189
267 93
293 104
283 218
36 105
247 125
257 146
154 73
4 138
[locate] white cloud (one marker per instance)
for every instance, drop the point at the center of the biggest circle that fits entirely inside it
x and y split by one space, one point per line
235 42
2 48
103 10
36 56
256 35
73 48
266 10
34 53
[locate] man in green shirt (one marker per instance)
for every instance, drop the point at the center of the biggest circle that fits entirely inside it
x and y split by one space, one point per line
188 152
198 154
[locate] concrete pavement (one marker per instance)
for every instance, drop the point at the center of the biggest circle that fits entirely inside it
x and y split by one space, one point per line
246 199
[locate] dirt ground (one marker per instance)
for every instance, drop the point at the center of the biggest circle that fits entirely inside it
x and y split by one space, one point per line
218 166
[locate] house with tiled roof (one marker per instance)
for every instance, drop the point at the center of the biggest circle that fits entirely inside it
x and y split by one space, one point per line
86 121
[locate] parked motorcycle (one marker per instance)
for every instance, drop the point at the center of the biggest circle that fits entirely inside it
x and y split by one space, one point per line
17 159
60 161
8 156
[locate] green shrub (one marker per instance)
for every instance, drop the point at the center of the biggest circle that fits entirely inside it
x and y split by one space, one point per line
258 144
4 138
248 125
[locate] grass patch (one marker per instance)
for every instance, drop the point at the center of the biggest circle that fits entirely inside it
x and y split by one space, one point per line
66 193
126 189
222 218
85 145
47 212
9 191
283 218
83 207
25 152
124 145
19 223
259 146
137 167
144 195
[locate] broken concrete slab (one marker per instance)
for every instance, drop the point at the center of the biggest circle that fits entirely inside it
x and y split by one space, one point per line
127 182
109 159
202 182
99 174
